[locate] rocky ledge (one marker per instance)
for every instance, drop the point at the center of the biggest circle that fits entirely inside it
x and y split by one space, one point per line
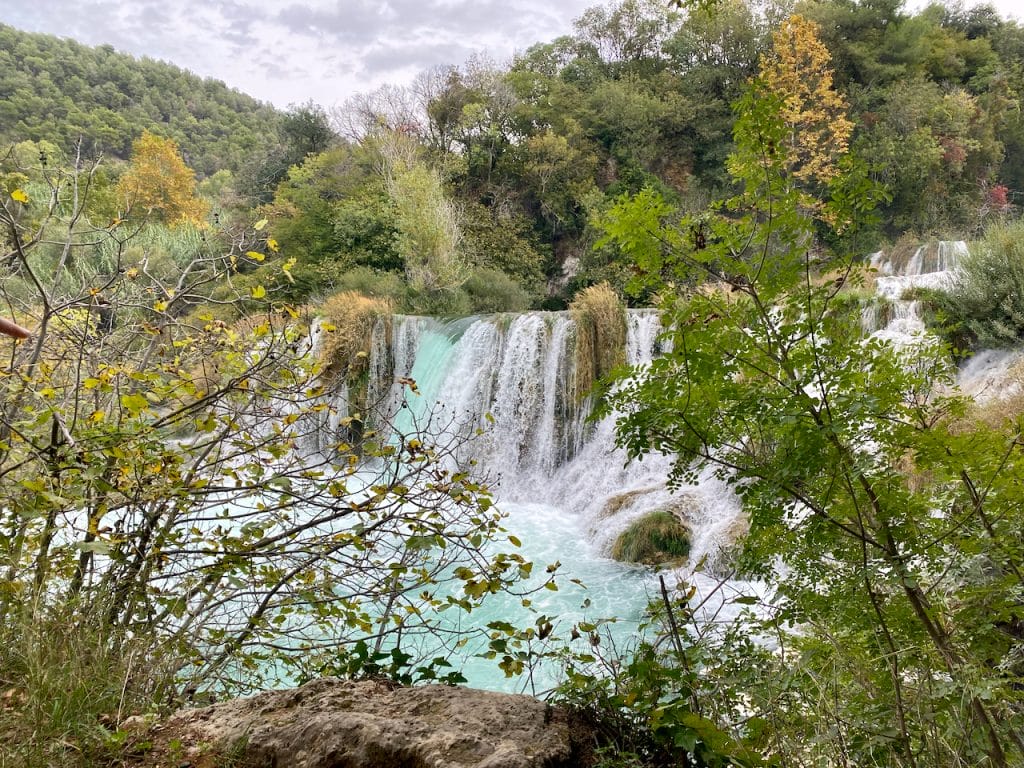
333 723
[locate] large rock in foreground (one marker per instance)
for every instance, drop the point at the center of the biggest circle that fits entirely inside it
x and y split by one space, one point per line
333 723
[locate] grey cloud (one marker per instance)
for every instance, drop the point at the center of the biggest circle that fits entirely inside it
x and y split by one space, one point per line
302 49
400 56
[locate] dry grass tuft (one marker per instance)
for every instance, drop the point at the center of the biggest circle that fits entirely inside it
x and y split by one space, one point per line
601 334
998 412
348 321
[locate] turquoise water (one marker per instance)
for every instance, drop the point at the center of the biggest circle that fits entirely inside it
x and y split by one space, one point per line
606 589
512 368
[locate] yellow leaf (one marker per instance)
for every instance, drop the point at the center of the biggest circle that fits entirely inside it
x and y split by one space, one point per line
97 416
259 224
256 255
159 306
20 196
272 244
286 267
258 292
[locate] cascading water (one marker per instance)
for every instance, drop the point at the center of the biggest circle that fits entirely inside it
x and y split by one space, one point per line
929 267
510 383
986 375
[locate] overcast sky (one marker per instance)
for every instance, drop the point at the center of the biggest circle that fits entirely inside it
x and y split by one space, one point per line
290 51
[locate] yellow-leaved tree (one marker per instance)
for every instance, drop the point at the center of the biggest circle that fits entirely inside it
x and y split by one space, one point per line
799 72
159 184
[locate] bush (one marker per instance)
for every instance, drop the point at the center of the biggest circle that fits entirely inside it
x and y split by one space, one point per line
491 290
986 307
374 284
655 538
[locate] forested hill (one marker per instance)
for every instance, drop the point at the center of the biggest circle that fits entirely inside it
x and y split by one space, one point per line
60 90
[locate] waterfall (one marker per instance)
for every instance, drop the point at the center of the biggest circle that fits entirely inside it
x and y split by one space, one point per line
930 266
508 385
987 375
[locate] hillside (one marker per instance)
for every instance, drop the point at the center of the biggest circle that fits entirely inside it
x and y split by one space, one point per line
60 90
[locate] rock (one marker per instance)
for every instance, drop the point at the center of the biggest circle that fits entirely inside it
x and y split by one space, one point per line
653 539
333 723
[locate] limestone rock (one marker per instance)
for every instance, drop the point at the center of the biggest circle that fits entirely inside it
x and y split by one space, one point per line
332 723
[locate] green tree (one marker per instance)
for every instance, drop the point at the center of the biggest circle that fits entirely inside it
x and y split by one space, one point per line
896 522
175 514
427 220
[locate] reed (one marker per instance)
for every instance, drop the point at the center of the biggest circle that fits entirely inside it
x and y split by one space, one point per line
348 321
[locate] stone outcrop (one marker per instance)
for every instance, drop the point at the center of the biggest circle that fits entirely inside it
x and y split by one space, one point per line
332 723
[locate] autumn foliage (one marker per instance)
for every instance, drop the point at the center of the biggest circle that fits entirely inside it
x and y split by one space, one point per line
159 184
799 72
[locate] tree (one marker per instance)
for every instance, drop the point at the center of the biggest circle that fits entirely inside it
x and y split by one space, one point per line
429 232
175 513
897 521
798 72
306 130
158 183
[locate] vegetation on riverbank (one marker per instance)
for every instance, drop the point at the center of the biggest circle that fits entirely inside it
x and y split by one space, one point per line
161 535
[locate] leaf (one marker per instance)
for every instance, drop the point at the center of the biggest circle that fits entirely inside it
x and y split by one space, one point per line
20 196
286 268
256 255
258 292
259 224
272 244
134 403
96 547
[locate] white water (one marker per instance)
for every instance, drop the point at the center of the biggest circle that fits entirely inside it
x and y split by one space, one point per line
509 383
929 267
988 375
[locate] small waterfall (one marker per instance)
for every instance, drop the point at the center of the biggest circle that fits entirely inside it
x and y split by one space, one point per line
986 376
994 374
930 266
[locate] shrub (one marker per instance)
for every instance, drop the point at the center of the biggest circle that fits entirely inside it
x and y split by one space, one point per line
987 305
373 284
655 538
491 290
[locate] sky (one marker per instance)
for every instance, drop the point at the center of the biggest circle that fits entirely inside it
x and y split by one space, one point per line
293 51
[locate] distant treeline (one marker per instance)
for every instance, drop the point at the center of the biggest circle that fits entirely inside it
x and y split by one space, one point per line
501 171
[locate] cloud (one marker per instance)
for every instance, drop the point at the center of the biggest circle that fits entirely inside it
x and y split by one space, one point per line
288 53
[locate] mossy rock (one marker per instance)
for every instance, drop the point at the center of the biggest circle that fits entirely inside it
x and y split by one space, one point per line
654 539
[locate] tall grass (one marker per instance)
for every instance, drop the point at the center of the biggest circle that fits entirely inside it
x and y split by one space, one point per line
601 334
66 687
349 318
